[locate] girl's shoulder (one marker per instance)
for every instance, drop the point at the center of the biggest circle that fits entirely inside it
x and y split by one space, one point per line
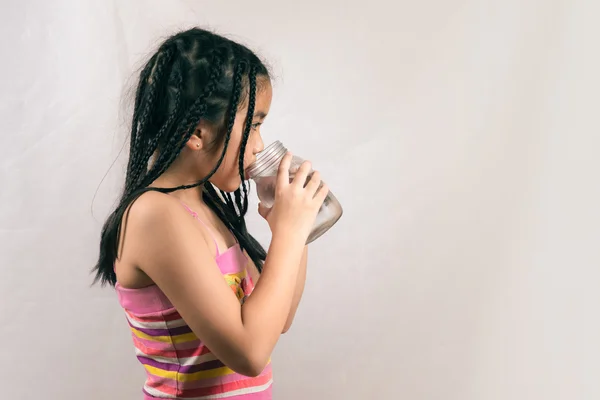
156 227
153 207
162 216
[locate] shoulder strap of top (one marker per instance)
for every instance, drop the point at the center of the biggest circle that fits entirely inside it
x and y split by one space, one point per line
195 215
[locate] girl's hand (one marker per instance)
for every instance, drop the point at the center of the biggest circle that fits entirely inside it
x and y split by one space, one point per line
264 211
297 202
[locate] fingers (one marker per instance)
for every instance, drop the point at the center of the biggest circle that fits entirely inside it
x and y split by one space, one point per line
313 184
283 174
263 211
302 174
294 168
322 194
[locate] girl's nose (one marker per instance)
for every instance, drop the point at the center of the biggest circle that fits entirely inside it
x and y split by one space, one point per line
259 145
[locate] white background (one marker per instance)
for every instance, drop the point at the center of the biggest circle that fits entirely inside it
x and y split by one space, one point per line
461 137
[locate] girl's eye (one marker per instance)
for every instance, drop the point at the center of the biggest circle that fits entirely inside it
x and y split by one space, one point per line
256 125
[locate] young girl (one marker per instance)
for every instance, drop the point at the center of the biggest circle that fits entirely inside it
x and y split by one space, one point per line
177 249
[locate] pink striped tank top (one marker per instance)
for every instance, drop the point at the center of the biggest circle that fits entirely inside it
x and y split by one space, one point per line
178 365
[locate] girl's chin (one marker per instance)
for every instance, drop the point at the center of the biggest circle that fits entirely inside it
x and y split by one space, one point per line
229 187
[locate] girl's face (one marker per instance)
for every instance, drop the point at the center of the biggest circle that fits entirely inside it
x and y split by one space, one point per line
227 178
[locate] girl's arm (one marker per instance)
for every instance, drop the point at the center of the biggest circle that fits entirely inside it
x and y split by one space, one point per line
299 288
168 247
298 291
166 244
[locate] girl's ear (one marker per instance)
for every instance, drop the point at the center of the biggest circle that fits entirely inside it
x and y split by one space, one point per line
201 136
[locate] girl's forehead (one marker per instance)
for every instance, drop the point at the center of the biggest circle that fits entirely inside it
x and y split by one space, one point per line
263 98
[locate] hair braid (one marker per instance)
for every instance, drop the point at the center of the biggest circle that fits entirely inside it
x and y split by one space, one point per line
237 195
226 198
243 207
141 87
153 77
212 199
177 142
232 111
141 168
235 99
239 73
233 211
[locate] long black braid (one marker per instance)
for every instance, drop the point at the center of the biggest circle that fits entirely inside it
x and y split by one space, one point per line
147 95
242 201
224 209
188 125
136 110
194 75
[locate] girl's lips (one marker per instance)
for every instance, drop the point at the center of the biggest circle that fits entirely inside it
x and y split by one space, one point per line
246 176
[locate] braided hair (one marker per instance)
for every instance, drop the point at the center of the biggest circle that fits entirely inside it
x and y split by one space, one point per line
195 74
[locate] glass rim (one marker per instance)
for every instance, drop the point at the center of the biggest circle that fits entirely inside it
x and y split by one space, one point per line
266 159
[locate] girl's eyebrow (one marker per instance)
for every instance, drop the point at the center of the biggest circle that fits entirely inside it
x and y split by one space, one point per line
260 114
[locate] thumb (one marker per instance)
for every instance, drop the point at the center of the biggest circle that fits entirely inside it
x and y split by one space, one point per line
263 210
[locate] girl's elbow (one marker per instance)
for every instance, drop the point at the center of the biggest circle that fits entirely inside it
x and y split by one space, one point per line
251 366
253 371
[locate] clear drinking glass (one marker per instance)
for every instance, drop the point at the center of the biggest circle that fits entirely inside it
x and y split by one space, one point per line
263 172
